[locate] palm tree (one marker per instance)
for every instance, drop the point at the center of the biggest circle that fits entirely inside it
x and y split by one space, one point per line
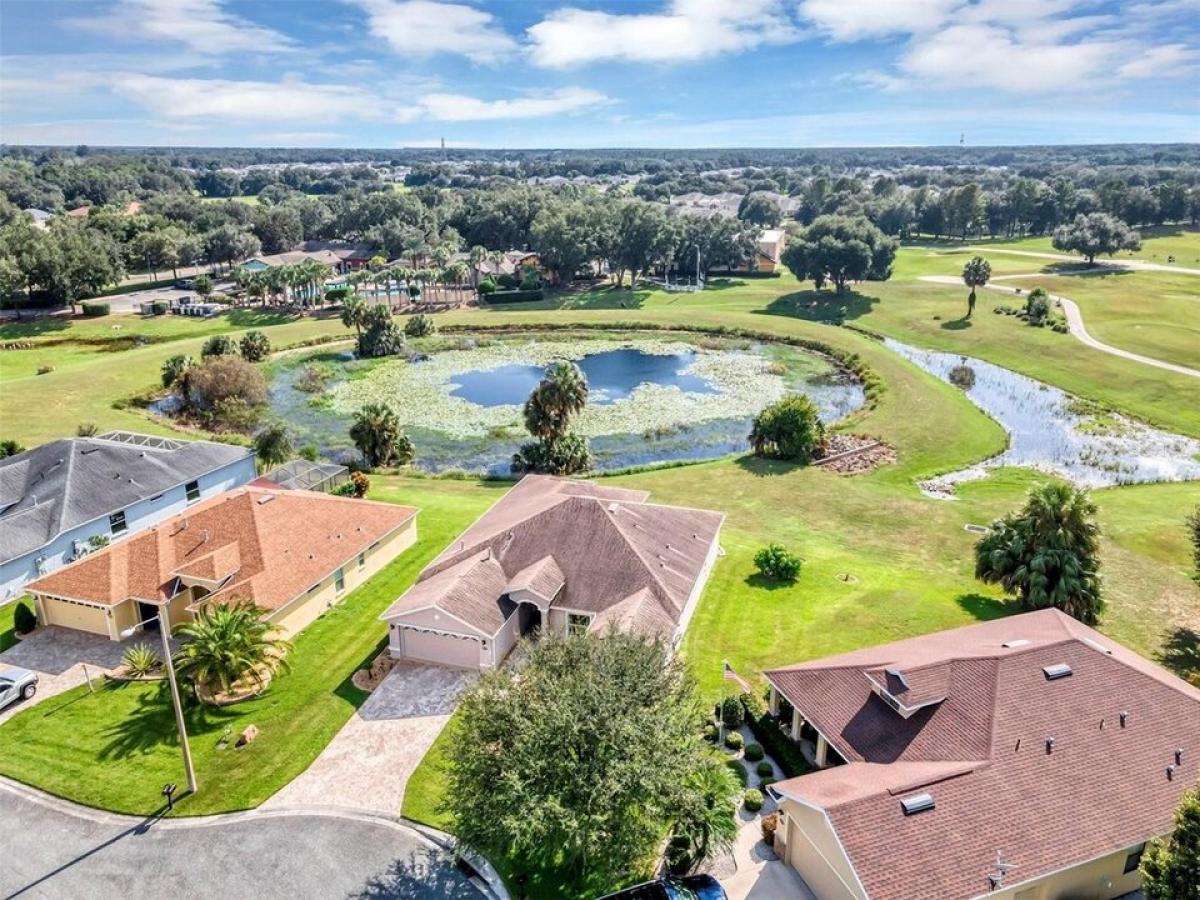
561 394
1048 554
377 434
227 643
273 445
354 313
457 273
257 288
476 258
975 274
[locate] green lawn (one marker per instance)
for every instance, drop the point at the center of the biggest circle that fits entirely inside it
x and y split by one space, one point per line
8 632
1158 242
1156 314
116 748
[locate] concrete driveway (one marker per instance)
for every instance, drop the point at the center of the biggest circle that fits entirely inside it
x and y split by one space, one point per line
55 850
59 656
368 763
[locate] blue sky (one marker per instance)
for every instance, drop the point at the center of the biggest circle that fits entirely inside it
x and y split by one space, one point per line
595 73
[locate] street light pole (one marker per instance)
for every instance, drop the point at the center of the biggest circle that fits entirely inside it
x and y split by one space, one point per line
164 630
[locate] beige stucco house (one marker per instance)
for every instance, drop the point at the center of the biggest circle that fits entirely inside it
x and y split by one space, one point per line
1025 758
293 554
556 555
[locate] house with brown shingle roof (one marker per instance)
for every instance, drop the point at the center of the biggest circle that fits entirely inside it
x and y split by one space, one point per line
558 555
293 554
1024 758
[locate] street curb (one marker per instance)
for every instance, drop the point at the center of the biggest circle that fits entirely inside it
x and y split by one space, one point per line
432 838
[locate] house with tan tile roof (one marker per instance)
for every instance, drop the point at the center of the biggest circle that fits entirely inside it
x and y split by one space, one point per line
293 554
558 555
1024 758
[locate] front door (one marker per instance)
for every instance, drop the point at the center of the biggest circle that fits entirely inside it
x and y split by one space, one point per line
530 619
148 616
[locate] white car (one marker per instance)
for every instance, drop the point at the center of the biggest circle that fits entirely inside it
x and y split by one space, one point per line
17 684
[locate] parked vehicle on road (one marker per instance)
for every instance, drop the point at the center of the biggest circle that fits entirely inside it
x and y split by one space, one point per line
17 684
690 887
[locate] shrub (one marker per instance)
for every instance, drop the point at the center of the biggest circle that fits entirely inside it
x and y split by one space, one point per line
962 377
159 307
789 429
86 429
359 484
732 712
420 325
24 620
382 336
225 391
738 770
778 563
487 286
337 294
515 296
768 732
764 768
45 370
309 452
140 659
531 282
219 297
752 800
769 824
754 752
733 740
767 782
1193 530
1037 307
345 489
95 310
173 369
255 346
218 345
710 732
508 282
569 454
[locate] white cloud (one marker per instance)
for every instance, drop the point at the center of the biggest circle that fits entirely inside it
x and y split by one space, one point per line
461 108
1157 62
300 138
245 101
176 99
686 30
425 27
201 25
852 20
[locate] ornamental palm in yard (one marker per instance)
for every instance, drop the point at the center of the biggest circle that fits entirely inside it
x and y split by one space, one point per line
227 643
976 273
1047 554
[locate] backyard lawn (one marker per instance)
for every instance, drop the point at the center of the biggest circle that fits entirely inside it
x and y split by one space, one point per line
116 748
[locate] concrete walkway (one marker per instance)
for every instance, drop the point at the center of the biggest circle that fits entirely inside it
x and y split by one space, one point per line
1075 324
368 763
54 849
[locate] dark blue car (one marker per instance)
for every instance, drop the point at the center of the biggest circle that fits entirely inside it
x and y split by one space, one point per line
692 887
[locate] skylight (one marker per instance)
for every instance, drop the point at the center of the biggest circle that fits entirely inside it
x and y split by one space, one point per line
1056 671
916 803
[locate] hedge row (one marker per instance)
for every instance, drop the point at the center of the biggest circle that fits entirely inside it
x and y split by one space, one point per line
778 745
513 296
95 310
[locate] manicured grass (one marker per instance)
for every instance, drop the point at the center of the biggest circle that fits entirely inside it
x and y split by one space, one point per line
117 747
1158 242
1156 314
8 632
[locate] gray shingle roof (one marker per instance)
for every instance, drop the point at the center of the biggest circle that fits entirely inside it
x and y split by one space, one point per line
61 485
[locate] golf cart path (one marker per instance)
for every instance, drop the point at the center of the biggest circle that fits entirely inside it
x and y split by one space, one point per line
1075 325
1136 265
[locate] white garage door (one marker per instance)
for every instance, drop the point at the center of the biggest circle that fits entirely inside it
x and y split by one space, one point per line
440 648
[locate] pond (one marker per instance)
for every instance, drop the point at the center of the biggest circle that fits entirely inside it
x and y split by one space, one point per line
1055 432
611 375
649 400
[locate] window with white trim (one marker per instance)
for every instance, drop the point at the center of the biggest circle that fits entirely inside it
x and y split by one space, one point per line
578 623
117 524
192 490
339 581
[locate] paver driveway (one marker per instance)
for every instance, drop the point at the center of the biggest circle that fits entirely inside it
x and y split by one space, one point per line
368 763
54 850
59 655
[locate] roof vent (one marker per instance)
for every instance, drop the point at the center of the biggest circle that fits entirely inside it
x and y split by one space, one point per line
1019 642
916 803
265 498
1179 757
1096 645
1057 671
1170 773
1124 718
612 507
1049 745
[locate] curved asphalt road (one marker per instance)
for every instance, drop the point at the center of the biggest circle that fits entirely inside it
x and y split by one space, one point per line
52 849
